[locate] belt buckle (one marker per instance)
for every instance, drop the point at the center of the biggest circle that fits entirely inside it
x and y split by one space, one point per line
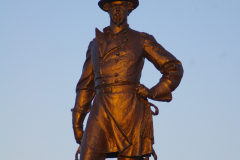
107 89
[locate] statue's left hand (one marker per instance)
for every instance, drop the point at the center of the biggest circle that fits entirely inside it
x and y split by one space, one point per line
144 92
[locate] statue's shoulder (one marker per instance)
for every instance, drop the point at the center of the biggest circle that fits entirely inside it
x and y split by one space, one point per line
147 37
94 40
93 43
90 47
143 35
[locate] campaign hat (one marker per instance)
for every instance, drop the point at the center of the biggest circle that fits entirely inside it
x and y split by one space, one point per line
101 3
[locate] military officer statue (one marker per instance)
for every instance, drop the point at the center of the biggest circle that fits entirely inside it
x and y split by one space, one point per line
120 120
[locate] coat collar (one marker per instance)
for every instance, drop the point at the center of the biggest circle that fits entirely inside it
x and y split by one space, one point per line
117 39
101 42
108 33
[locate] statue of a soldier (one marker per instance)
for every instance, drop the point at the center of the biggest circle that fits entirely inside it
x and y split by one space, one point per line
120 120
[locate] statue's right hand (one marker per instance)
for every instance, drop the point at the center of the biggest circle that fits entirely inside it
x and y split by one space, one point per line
77 121
78 133
79 141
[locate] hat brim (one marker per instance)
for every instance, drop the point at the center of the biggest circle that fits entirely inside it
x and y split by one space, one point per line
103 2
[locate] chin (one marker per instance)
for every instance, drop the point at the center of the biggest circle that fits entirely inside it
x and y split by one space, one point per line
119 22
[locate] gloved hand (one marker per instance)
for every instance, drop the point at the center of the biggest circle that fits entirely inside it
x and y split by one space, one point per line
77 121
78 133
144 92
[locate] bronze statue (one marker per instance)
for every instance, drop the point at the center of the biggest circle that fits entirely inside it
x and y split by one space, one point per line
120 120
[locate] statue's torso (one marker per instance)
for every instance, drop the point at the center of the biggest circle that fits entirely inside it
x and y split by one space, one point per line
118 62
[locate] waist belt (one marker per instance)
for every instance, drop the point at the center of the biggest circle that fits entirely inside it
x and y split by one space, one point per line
118 88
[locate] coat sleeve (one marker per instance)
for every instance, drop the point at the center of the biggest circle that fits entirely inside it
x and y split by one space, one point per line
167 64
85 86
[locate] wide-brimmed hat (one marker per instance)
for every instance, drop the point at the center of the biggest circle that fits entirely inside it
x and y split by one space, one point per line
101 3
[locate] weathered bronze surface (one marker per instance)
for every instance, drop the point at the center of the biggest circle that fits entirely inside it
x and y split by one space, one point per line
120 121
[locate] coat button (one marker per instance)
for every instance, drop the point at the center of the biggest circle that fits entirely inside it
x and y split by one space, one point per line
116 81
103 82
116 60
116 74
117 54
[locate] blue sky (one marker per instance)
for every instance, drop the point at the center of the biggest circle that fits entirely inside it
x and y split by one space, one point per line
43 45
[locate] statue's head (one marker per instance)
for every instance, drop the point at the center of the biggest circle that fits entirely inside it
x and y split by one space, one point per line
118 10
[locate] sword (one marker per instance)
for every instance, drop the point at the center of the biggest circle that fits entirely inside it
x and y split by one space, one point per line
78 152
155 107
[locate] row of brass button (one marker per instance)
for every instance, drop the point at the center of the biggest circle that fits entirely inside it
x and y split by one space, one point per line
101 63
116 74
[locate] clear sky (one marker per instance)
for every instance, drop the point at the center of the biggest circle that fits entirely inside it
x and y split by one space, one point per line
43 45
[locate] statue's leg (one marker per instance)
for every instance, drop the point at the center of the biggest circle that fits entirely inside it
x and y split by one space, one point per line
93 156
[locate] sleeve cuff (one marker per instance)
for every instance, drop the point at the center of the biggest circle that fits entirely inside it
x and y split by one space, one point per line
162 92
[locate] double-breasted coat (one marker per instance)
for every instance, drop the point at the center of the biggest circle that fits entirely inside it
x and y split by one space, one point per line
120 120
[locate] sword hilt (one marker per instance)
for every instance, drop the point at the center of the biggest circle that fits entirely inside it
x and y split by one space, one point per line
78 152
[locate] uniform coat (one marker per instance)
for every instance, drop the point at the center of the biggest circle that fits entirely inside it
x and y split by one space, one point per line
121 121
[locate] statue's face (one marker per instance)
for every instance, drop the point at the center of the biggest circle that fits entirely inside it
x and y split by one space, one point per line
118 12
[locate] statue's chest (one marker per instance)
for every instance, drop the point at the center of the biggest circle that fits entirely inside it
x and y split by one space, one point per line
123 54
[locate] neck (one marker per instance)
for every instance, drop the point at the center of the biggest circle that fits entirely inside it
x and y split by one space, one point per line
115 29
